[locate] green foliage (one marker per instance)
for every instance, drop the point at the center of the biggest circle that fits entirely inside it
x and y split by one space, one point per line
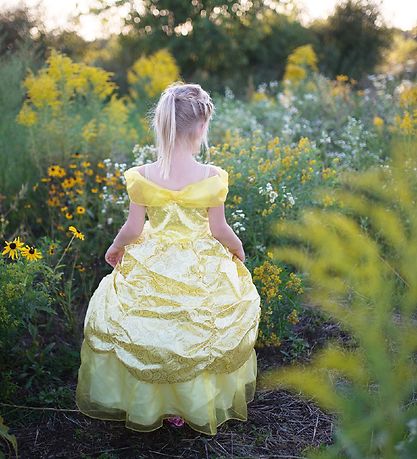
14 152
9 438
24 293
215 43
360 259
352 40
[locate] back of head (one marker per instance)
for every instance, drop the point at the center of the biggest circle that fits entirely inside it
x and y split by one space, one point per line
180 110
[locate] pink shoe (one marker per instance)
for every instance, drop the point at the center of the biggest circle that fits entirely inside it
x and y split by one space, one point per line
176 421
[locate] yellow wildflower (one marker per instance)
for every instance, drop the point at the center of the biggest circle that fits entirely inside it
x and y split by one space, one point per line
378 121
342 78
11 249
76 233
31 253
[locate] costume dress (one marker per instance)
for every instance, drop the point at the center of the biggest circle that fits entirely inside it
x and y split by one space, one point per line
171 330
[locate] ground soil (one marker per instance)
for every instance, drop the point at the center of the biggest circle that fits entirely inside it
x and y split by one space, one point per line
281 424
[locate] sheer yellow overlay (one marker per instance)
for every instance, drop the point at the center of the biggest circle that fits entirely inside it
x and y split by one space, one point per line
171 330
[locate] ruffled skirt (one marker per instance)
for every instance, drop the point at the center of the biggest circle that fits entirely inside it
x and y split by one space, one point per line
108 390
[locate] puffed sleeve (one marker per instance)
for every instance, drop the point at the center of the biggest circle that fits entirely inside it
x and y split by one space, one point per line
220 191
136 191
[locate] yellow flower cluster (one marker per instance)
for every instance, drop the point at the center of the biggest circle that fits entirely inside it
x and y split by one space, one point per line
341 87
302 60
293 317
406 122
267 340
378 121
14 248
58 83
294 283
327 173
66 186
408 97
153 73
269 276
328 200
259 96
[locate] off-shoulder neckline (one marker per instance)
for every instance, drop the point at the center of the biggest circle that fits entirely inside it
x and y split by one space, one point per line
142 177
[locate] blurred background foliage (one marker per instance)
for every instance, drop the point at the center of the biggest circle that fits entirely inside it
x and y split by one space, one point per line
359 263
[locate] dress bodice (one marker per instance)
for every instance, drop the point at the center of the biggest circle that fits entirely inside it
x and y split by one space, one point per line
177 214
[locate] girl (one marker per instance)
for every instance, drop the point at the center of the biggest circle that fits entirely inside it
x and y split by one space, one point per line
170 333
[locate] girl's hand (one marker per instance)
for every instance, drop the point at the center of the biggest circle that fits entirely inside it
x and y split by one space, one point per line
240 253
114 254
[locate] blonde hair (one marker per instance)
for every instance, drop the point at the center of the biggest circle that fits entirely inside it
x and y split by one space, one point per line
177 114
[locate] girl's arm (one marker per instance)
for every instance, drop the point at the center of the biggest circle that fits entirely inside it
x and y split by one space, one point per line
133 226
221 230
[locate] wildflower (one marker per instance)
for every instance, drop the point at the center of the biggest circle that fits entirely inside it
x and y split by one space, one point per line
80 210
53 171
53 202
51 249
76 233
293 317
31 253
68 216
342 78
12 248
69 182
378 121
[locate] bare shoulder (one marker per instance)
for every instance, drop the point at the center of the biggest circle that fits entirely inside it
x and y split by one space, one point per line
141 168
213 170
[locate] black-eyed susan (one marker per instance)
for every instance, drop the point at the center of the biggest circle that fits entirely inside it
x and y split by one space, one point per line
12 248
68 182
68 215
53 170
52 249
56 171
80 210
94 190
86 164
53 202
72 166
76 233
101 165
76 155
31 253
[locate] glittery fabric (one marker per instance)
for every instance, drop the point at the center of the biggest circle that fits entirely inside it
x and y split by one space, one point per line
171 330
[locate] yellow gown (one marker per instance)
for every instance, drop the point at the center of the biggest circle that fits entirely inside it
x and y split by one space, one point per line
171 330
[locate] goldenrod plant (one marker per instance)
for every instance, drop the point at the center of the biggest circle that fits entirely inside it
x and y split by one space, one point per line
72 106
359 258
